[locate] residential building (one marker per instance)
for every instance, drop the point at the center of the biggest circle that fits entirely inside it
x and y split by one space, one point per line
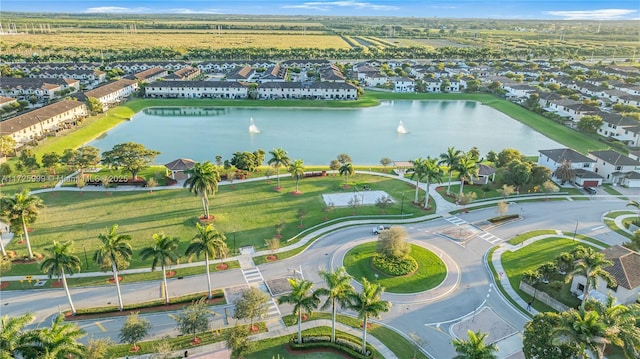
616 168
197 89
113 93
584 166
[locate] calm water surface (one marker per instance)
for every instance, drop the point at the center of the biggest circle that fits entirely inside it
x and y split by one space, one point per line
318 135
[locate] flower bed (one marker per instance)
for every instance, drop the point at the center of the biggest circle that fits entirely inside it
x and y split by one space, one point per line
342 344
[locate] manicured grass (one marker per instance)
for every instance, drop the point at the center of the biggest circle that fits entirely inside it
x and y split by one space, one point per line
610 190
251 209
499 284
588 239
523 237
531 257
400 346
430 273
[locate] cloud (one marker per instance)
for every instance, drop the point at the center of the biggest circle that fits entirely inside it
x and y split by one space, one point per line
192 11
601 14
115 10
328 5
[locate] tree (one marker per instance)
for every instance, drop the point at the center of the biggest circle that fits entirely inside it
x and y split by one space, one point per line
59 341
97 348
368 304
115 252
303 299
28 160
565 172
21 209
5 169
203 180
393 243
564 262
507 155
253 304
194 318
503 208
385 161
450 159
549 187
245 161
15 341
539 174
383 203
467 168
590 123
81 158
344 158
94 105
7 145
278 159
635 204
338 291
518 173
296 169
334 165
211 243
507 190
132 157
50 160
474 347
300 215
419 169
134 329
346 170
584 329
432 172
59 263
163 252
546 270
622 320
237 339
538 338
591 264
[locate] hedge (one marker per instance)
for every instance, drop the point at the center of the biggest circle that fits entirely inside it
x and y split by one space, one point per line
342 344
395 266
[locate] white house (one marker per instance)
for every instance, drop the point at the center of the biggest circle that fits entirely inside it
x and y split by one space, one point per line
616 168
197 89
403 84
113 93
625 270
583 165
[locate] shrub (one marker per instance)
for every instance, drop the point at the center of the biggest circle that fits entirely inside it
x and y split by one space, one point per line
501 219
393 243
395 266
343 344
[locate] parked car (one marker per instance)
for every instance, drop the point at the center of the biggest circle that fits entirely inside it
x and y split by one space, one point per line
378 229
590 190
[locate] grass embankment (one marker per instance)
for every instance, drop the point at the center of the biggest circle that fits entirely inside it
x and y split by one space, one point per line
431 271
245 212
531 257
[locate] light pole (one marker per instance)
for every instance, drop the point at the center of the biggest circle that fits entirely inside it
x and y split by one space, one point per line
402 207
86 260
575 230
235 249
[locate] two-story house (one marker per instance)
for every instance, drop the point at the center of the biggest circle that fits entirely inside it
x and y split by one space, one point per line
616 168
583 165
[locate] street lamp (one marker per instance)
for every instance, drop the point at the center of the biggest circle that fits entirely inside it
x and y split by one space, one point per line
235 249
402 207
575 230
86 260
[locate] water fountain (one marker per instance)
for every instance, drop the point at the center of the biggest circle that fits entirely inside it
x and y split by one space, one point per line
401 128
252 127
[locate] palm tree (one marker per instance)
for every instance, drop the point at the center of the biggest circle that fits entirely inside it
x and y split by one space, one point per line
59 262
467 168
210 242
338 292
622 320
432 172
419 169
346 170
591 265
116 252
303 299
203 180
278 159
450 159
14 340
60 340
368 304
22 207
586 329
297 171
163 252
474 348
565 172
635 204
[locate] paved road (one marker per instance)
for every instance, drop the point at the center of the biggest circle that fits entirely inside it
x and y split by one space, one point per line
429 315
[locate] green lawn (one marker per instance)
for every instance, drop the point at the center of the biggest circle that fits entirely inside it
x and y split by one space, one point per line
430 273
250 209
531 257
523 237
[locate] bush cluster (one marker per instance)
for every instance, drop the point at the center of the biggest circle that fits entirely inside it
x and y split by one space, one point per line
505 218
342 344
394 266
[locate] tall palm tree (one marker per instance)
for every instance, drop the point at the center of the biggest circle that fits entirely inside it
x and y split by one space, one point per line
432 172
203 180
475 347
635 204
338 292
368 304
115 252
297 171
565 172
278 159
14 340
61 262
163 252
60 340
211 243
450 159
583 328
467 168
591 265
346 170
621 319
419 169
303 299
23 208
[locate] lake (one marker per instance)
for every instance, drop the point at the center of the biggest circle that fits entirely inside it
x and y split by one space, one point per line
400 130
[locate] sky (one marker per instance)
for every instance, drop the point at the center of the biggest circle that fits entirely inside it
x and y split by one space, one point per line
497 9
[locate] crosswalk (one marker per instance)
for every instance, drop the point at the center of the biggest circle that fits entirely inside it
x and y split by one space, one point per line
490 238
456 220
484 235
252 276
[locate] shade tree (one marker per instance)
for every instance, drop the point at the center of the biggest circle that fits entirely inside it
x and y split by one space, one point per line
130 156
